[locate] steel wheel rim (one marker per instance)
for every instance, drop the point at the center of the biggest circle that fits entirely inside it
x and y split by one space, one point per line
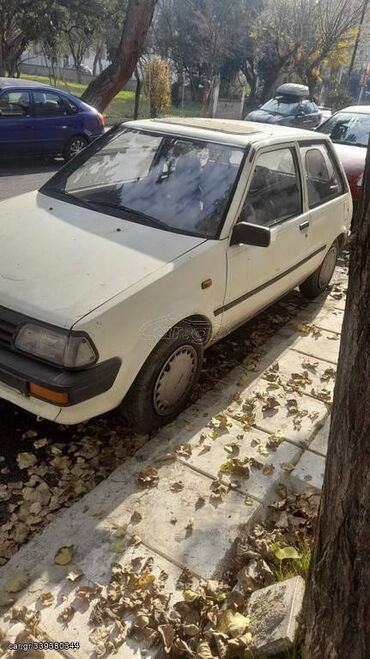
175 380
76 147
327 267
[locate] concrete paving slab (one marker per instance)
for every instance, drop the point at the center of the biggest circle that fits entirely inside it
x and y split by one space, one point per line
295 417
320 442
324 345
274 613
182 520
230 450
309 375
309 471
328 317
79 628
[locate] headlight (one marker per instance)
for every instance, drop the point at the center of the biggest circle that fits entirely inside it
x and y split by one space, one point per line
53 345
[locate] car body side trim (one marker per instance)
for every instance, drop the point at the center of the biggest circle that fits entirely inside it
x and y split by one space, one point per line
249 294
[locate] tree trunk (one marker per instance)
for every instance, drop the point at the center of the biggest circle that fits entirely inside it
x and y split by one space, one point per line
137 93
97 58
139 16
337 604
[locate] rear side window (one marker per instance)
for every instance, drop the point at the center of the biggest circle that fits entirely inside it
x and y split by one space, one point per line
323 179
50 104
274 194
15 104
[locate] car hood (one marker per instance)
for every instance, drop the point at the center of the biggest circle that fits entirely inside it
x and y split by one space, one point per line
60 261
265 117
352 158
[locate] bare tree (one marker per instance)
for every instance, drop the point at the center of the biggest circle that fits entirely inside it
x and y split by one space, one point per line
135 28
337 603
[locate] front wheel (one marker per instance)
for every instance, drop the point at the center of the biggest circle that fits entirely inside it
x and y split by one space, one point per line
75 145
164 385
320 279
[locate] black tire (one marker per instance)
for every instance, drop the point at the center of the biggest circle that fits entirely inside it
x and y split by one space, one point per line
74 146
143 407
316 284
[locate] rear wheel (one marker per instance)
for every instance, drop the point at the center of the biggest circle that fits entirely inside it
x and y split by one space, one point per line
319 280
75 145
165 383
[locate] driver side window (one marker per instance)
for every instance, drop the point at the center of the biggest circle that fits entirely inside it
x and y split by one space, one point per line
274 194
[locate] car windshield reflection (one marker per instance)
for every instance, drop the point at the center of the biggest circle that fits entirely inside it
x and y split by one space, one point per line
166 181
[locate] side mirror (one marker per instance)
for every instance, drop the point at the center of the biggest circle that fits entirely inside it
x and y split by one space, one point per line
250 234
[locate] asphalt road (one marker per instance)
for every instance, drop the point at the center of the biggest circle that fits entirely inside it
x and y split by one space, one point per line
24 175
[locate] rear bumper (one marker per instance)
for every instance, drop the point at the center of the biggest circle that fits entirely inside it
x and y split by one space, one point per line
18 372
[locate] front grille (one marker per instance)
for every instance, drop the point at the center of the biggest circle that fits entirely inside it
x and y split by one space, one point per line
9 322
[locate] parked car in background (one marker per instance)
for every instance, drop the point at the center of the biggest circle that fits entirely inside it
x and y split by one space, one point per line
349 129
36 119
291 106
153 243
326 113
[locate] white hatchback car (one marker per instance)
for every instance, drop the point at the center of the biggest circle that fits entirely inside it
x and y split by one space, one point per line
157 240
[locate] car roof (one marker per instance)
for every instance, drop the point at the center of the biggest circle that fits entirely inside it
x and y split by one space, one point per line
226 131
360 109
19 82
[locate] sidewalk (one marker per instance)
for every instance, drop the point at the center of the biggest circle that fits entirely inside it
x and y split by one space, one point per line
198 484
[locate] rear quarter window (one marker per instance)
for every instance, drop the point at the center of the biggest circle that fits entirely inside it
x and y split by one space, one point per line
324 181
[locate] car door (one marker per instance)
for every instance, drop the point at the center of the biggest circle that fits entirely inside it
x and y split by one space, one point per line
329 205
54 120
17 123
307 117
274 198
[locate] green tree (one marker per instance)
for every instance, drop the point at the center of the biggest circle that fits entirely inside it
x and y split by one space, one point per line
21 22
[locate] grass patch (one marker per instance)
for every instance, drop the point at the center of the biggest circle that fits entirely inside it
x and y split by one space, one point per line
293 567
123 104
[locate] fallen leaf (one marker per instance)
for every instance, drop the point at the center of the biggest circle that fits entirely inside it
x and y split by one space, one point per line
177 487
268 469
136 517
67 614
144 579
232 623
88 593
74 575
287 466
64 555
19 581
148 477
287 553
46 599
231 448
190 595
26 460
271 403
39 443
168 634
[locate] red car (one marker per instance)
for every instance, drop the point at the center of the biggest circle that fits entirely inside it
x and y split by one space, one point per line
349 129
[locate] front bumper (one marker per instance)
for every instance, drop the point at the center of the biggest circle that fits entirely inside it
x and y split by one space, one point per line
21 372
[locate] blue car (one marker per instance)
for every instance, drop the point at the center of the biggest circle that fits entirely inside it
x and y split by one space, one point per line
36 119
291 106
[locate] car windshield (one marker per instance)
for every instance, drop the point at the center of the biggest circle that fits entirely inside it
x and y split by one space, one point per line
281 105
348 128
171 182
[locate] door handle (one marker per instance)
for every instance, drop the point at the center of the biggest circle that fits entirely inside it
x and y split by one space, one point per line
304 225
